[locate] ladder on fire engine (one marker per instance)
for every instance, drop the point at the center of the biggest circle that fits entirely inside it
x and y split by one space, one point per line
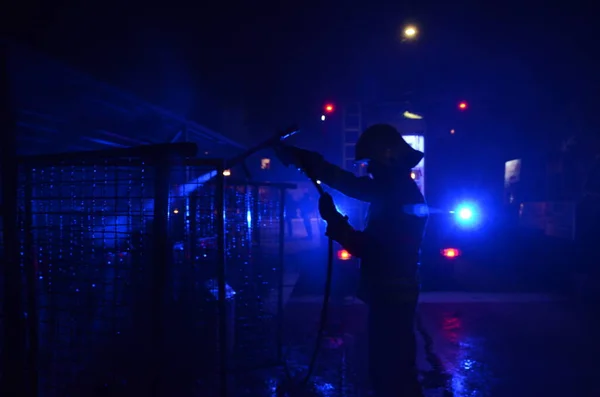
352 124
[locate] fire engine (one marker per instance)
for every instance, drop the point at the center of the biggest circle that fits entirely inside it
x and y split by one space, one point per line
452 231
555 207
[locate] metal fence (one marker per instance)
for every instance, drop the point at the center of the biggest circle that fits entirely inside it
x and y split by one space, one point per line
2 294
147 272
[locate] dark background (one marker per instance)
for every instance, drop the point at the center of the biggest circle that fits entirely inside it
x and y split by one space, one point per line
528 69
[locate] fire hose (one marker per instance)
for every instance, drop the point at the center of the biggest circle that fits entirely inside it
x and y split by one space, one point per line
299 386
296 386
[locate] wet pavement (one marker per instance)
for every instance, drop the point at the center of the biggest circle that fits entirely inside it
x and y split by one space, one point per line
505 345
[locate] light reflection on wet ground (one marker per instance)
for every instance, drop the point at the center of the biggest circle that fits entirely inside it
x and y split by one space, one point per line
492 346
514 348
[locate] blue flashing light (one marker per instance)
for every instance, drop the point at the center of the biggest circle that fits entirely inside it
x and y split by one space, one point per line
466 214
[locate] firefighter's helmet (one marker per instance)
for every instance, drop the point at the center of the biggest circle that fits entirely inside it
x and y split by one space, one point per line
382 143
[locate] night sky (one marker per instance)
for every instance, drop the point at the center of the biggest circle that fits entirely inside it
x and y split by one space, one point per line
530 68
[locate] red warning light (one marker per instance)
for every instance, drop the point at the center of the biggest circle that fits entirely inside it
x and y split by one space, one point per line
329 108
463 106
343 255
450 252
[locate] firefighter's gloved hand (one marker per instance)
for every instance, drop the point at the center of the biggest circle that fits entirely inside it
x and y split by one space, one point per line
328 210
338 228
339 231
301 158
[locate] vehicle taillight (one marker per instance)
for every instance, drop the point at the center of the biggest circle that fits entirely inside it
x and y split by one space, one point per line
450 252
343 255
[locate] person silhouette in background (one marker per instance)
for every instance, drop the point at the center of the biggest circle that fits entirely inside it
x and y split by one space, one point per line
290 213
306 210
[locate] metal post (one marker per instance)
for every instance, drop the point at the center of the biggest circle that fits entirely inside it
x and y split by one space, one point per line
192 225
221 274
30 285
256 218
281 275
160 266
248 204
13 360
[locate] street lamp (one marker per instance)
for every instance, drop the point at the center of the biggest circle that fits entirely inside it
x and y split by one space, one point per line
410 32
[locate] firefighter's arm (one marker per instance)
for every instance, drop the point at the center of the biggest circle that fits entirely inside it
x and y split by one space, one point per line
343 181
333 176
